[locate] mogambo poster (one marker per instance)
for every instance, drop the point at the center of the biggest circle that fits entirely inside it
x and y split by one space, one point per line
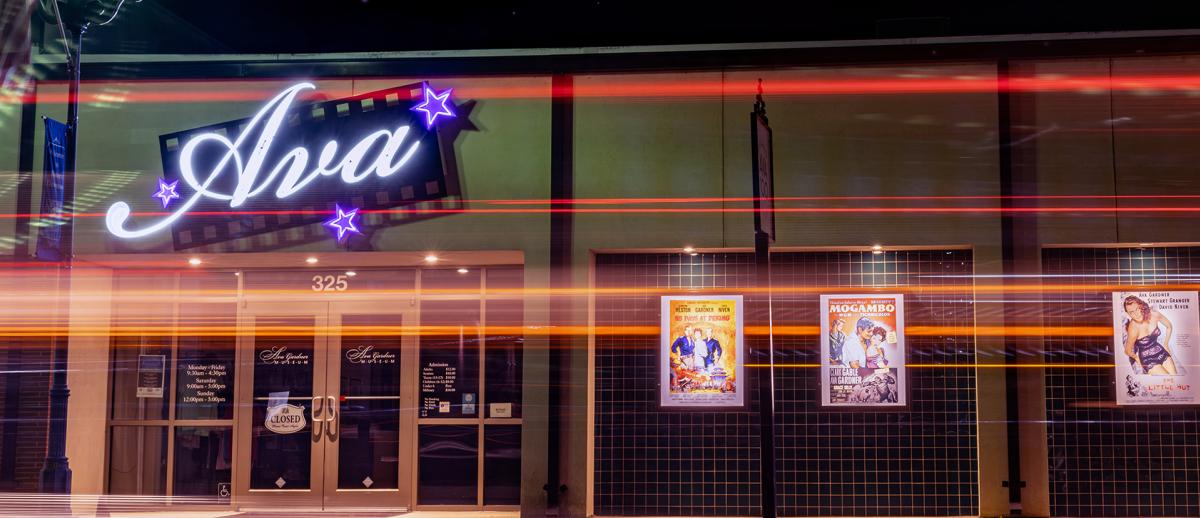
700 352
1154 347
862 343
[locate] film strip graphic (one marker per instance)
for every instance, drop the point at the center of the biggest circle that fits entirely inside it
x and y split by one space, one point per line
428 180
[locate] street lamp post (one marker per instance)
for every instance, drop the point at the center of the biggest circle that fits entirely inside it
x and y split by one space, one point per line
81 15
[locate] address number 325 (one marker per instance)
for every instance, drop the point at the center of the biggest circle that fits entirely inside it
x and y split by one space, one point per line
330 283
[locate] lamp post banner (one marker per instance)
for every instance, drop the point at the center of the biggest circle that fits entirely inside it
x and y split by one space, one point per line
54 175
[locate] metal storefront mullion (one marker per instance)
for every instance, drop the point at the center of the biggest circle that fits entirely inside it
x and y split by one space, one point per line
202 423
174 348
481 335
447 420
414 473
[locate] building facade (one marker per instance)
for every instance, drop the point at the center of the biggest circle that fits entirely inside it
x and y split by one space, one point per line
452 297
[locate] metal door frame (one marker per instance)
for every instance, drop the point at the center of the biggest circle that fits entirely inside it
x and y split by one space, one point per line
244 497
403 497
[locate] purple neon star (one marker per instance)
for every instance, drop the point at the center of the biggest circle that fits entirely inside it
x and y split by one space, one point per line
435 104
343 222
166 192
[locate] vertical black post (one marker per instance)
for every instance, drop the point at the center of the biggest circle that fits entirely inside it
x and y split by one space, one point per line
766 381
561 189
1016 236
56 470
764 229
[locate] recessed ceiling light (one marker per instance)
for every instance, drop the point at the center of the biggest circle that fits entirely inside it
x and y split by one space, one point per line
688 249
431 258
463 270
877 248
1145 244
237 274
311 260
351 273
195 261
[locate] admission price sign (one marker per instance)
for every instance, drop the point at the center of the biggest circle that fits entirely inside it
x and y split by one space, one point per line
439 388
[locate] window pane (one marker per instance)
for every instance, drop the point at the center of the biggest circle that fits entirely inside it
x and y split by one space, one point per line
140 366
449 457
502 465
138 460
24 393
142 321
450 361
203 459
206 361
457 280
504 281
370 356
283 361
369 444
505 343
193 283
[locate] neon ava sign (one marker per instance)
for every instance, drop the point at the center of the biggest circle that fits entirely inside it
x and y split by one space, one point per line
213 168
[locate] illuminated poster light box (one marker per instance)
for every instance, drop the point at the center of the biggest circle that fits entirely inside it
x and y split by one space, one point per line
1154 344
864 356
701 352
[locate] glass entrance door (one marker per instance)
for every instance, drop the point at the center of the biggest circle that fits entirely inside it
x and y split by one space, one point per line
323 421
371 378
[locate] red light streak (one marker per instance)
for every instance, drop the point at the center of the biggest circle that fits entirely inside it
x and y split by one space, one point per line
551 206
626 87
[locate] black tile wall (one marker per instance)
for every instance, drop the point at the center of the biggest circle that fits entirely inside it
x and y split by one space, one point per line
1108 461
665 463
920 460
916 460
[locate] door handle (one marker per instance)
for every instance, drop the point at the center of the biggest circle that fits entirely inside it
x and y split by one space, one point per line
316 422
331 409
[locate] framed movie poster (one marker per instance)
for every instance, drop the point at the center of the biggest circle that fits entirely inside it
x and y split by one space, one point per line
862 344
700 352
1154 347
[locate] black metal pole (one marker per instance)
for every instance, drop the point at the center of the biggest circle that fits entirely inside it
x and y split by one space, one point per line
766 383
764 229
56 469
561 251
1016 234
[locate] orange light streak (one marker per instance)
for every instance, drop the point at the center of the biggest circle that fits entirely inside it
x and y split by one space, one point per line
167 328
1168 209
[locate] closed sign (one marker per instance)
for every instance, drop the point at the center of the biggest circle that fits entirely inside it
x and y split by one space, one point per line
285 419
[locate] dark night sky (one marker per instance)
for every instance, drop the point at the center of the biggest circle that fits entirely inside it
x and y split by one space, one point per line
186 26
